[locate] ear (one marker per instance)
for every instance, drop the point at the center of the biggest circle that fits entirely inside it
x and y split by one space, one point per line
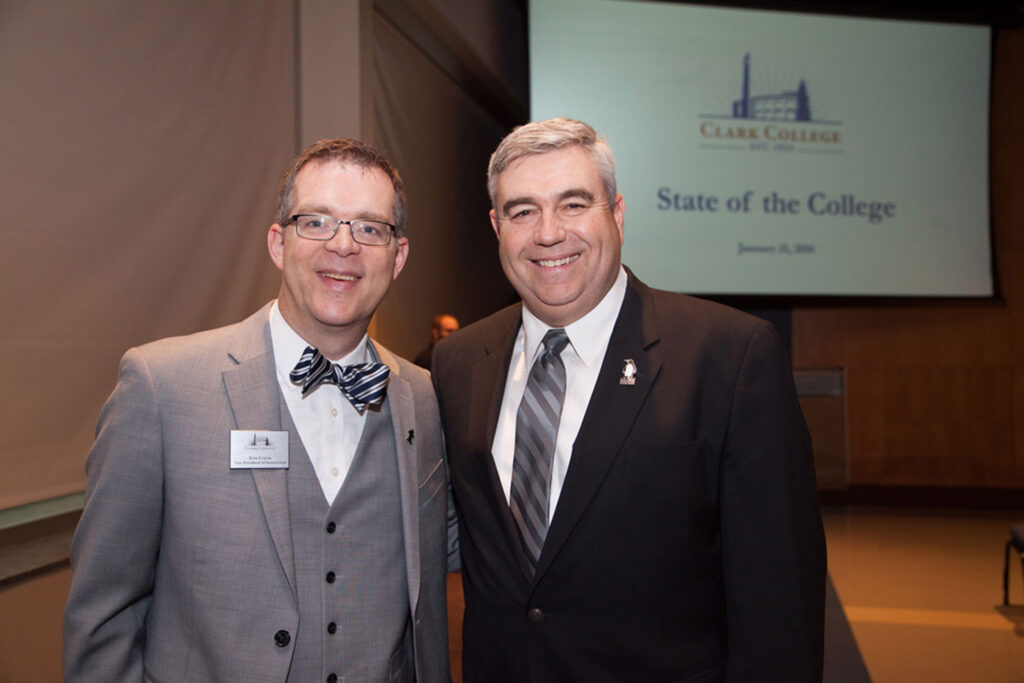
619 212
400 256
275 245
494 224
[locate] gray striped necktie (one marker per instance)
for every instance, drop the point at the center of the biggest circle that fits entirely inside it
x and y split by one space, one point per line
536 426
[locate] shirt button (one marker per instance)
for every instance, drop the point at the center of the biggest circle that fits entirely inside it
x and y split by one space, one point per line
330 579
332 628
282 638
334 412
331 527
534 614
334 471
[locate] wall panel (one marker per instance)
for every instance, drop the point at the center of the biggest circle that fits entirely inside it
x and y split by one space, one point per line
936 389
141 146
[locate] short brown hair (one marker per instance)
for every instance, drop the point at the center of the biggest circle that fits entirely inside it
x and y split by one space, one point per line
344 151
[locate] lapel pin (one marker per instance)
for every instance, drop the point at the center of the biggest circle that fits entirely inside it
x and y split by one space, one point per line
409 436
628 373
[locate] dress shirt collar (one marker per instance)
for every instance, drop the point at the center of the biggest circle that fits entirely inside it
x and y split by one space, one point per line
589 335
288 345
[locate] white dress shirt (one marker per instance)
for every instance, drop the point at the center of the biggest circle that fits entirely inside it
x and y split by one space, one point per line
588 341
329 426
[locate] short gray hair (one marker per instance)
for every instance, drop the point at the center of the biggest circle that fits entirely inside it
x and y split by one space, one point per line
539 137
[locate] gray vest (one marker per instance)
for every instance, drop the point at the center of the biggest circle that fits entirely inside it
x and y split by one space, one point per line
350 565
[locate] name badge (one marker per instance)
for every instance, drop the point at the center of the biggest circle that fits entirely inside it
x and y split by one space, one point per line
256 449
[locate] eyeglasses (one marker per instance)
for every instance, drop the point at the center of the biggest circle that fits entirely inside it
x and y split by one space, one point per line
313 226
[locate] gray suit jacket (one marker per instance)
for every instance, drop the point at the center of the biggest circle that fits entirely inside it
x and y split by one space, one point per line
183 568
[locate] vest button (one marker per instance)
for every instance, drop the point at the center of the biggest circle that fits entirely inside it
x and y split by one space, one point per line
332 628
331 527
332 678
330 577
534 614
282 638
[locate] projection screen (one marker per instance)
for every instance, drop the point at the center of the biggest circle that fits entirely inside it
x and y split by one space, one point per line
780 153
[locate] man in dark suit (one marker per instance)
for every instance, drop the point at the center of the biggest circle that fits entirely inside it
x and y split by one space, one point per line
631 468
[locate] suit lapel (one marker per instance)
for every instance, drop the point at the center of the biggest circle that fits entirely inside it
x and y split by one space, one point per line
256 403
403 423
610 415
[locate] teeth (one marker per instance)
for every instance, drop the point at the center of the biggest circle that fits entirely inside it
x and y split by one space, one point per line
345 278
551 263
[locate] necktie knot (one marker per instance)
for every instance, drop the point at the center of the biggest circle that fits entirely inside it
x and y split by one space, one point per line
363 384
555 340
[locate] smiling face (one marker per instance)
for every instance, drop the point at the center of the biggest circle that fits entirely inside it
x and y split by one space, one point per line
330 289
559 236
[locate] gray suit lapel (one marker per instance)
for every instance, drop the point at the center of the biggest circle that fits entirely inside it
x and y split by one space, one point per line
256 403
403 424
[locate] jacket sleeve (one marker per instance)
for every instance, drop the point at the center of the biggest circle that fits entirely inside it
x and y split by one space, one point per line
454 558
114 551
773 546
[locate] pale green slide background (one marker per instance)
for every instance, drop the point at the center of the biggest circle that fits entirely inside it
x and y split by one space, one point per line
909 101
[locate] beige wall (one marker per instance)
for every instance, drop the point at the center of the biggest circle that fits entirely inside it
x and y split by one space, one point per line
30 617
141 144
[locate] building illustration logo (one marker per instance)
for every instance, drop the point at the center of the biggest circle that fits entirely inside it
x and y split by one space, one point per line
779 122
258 443
785 106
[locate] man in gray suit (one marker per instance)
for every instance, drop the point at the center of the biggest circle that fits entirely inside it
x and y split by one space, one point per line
244 522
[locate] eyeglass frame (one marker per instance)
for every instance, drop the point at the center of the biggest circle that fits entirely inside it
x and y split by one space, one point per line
337 226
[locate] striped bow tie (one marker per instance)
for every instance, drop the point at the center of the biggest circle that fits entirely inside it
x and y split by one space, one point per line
363 384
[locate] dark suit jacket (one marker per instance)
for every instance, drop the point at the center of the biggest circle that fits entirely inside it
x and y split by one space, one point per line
687 543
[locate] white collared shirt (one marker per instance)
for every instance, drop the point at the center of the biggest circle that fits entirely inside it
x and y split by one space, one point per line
330 428
588 341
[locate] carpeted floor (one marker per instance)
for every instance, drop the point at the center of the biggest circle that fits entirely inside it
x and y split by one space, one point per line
922 592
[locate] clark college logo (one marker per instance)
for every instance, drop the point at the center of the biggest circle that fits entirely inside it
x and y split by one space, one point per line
778 122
